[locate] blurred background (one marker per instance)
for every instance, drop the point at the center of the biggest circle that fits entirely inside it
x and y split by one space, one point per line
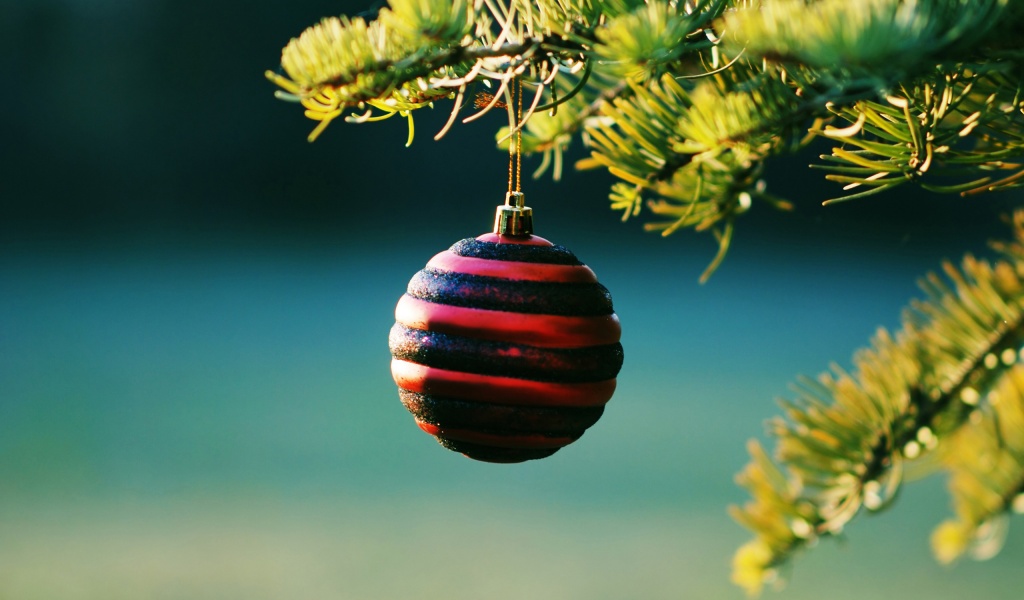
195 399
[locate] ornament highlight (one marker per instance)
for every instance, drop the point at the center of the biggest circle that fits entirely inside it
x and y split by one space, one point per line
505 346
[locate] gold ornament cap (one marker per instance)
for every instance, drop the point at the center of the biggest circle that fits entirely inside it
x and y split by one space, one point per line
514 218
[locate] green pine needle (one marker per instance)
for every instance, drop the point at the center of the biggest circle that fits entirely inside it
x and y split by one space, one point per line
844 440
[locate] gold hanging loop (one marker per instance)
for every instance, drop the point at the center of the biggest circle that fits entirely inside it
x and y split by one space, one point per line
514 218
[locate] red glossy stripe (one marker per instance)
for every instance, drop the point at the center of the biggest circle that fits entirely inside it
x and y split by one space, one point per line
532 240
551 331
510 269
498 390
495 440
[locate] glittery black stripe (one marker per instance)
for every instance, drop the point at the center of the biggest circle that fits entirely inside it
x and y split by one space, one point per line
500 419
485 357
552 255
493 293
494 454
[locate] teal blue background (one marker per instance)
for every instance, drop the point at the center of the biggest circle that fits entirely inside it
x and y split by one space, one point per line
195 399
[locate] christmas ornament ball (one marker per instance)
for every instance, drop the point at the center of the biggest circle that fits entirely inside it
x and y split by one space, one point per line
505 347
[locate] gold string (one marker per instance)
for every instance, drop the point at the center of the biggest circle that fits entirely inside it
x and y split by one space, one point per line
515 149
519 133
511 151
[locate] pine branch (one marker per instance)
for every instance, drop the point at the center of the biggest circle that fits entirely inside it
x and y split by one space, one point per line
986 464
846 438
697 147
883 39
890 48
417 52
930 92
923 135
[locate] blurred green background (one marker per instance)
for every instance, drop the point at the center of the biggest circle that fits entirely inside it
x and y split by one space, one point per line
195 399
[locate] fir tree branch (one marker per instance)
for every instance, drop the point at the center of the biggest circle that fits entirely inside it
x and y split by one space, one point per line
895 45
846 437
930 92
922 135
986 463
889 40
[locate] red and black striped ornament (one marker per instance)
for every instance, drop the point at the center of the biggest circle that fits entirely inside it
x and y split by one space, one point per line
505 346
